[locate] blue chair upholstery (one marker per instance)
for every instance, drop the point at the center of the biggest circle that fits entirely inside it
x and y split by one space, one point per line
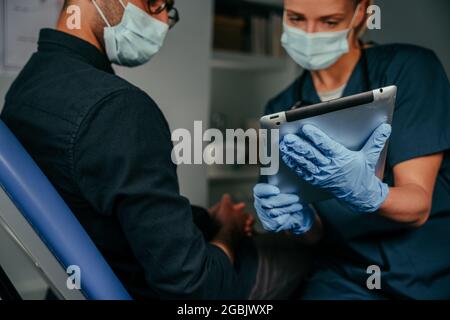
51 218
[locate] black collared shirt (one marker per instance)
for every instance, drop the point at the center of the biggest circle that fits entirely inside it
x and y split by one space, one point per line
106 147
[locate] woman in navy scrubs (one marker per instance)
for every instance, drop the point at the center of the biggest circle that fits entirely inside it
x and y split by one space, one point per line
407 236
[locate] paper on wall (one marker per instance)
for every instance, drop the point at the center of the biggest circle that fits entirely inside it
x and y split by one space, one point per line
21 21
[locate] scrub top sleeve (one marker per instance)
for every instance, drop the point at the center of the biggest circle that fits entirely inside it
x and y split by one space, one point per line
422 114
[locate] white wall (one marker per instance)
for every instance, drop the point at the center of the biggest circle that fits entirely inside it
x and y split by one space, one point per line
178 79
5 82
242 95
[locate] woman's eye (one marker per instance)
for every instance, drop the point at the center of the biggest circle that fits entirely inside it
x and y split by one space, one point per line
331 23
295 18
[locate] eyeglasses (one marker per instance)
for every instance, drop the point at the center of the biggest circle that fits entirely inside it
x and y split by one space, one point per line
168 5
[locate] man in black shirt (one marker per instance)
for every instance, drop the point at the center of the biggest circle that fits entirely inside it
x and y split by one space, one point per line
106 147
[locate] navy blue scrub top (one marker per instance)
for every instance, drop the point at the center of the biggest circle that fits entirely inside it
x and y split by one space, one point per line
415 263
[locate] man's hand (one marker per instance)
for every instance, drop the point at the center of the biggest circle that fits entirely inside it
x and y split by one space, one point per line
226 212
234 224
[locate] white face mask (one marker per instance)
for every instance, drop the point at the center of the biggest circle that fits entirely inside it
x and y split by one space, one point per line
316 51
136 39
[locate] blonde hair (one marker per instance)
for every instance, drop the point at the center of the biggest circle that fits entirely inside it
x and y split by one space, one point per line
362 27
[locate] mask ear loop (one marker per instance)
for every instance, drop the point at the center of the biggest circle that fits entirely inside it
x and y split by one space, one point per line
100 12
124 6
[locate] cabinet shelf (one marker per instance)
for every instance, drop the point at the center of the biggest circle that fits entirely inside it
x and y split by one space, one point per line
223 174
227 60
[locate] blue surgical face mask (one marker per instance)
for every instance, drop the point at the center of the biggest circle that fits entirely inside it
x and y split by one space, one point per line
315 51
136 39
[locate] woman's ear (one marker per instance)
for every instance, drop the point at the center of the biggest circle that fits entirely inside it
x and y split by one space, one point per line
359 20
359 14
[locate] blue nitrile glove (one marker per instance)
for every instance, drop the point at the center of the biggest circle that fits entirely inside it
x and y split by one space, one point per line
348 175
280 211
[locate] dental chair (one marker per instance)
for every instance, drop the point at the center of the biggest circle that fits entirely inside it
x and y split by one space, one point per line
44 251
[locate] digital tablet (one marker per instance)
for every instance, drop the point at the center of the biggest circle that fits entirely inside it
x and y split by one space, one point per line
348 120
